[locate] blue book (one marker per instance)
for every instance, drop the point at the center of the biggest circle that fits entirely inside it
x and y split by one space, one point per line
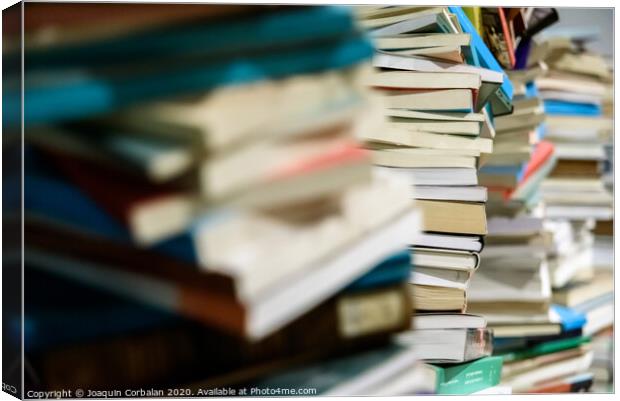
56 199
516 170
224 37
558 107
53 97
60 311
531 90
569 318
501 102
395 269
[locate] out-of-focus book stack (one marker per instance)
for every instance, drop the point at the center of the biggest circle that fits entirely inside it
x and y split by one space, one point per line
197 205
543 341
440 86
577 93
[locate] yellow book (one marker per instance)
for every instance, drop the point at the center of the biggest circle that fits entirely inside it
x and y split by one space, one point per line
475 16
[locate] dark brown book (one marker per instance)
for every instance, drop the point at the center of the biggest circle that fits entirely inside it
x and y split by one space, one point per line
189 353
78 22
576 168
604 227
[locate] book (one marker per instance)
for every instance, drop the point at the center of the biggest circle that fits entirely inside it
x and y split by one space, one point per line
110 20
45 106
438 299
453 217
440 277
461 100
423 80
432 176
455 193
402 157
543 348
536 376
501 100
404 137
207 121
446 241
254 320
491 80
494 286
429 22
357 374
449 259
421 41
387 18
579 293
425 321
179 363
579 383
449 345
186 41
455 379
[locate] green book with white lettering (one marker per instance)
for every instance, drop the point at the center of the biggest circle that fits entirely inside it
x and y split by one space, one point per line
467 378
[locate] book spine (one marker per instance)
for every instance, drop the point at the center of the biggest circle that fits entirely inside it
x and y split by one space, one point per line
470 377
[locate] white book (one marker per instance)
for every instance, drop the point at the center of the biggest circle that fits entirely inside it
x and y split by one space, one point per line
423 80
580 151
550 371
445 259
367 382
579 212
447 345
400 15
570 97
563 269
276 308
419 379
421 40
436 116
434 176
518 226
577 185
418 63
447 241
440 277
454 193
416 158
423 23
431 321
504 285
444 127
431 140
574 86
431 100
495 390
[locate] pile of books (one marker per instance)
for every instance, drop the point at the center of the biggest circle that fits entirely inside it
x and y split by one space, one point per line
199 212
577 93
536 253
437 102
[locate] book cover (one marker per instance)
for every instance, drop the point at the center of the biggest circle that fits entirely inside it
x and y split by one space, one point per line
469 377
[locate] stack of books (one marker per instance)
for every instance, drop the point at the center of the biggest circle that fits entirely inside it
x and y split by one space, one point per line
438 107
199 195
537 254
577 92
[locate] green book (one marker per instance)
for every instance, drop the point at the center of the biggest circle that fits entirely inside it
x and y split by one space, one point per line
545 348
467 378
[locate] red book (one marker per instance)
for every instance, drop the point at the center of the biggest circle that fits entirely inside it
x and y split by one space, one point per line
542 153
507 37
